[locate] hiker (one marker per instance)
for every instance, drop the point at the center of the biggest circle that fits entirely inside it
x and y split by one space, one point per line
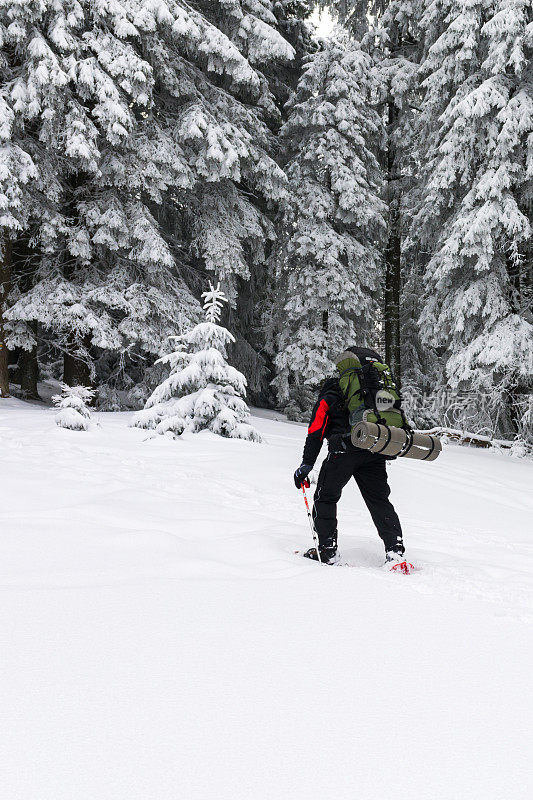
331 420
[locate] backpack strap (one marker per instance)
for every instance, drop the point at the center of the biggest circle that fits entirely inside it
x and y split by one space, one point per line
364 389
365 392
348 370
332 385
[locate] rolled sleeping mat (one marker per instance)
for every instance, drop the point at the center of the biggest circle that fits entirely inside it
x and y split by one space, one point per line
391 441
376 438
365 434
423 446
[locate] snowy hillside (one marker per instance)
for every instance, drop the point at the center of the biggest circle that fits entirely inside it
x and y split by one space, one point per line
161 640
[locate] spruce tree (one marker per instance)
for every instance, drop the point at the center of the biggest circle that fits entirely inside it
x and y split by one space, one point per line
393 42
151 124
73 411
17 170
202 392
328 281
475 216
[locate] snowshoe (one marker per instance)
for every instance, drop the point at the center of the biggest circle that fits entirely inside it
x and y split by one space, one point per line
396 562
328 555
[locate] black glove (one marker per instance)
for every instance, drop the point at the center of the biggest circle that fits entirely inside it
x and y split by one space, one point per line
300 476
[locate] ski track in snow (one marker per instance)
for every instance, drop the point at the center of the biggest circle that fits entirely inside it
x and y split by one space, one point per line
161 639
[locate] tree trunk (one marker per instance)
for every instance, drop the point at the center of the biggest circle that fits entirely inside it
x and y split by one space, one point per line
393 253
28 369
25 262
76 371
392 296
5 285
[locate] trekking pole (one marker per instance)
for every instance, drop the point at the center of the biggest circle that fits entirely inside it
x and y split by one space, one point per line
310 518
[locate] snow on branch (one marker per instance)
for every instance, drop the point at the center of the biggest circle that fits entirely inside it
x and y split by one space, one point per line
213 300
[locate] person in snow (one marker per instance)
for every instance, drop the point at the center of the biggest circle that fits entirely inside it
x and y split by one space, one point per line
329 420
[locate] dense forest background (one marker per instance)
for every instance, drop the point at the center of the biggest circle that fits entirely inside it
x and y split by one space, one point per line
374 187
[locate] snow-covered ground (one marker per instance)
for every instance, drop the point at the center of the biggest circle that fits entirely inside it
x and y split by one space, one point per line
161 640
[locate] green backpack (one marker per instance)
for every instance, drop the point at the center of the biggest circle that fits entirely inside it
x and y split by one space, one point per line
369 391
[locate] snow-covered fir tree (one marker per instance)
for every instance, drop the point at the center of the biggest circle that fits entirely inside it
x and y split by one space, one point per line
392 40
104 279
388 30
293 23
329 273
150 122
202 392
17 170
475 217
73 411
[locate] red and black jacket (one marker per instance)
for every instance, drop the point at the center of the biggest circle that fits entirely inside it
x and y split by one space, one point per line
329 418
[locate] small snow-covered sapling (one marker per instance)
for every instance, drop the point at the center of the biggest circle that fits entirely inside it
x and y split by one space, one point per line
72 403
202 391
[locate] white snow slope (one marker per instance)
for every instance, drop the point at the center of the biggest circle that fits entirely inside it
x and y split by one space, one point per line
160 639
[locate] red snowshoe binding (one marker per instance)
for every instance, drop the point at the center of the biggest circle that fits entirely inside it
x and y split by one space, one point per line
396 562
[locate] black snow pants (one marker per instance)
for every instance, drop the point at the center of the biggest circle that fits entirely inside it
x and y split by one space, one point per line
371 477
